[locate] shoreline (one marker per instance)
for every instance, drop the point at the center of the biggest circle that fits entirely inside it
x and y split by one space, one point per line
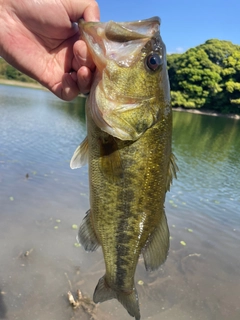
209 113
16 83
196 111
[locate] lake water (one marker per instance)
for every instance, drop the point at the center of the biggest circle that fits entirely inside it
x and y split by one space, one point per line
41 200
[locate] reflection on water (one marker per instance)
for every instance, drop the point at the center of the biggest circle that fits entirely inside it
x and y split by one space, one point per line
208 152
41 199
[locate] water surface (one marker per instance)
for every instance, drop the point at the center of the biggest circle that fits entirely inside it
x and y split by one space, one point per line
41 199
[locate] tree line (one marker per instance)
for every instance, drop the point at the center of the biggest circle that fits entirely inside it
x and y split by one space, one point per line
206 77
10 73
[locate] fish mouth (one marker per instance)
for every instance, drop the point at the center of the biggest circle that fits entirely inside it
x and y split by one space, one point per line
113 40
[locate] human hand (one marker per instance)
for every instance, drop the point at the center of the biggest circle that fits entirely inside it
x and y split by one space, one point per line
41 39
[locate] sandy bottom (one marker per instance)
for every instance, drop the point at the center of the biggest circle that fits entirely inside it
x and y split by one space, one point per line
41 263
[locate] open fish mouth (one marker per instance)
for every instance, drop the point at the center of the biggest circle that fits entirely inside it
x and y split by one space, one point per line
113 40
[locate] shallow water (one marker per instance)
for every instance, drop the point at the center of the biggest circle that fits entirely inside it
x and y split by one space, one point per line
41 199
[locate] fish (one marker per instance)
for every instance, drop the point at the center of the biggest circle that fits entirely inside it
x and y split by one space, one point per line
128 150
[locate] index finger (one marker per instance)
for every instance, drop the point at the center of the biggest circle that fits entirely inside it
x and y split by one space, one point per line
86 9
92 12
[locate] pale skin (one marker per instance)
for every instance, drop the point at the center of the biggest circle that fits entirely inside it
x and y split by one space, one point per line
41 39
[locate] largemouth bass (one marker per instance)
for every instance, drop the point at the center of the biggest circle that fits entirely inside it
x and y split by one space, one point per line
128 148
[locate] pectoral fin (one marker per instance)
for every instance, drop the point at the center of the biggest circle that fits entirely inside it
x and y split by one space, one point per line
156 249
86 234
172 171
80 156
110 161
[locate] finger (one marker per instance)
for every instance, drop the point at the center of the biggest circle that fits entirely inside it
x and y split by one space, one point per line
84 79
82 56
87 9
68 88
92 12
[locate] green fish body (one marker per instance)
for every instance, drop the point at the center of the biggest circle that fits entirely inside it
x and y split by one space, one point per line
128 148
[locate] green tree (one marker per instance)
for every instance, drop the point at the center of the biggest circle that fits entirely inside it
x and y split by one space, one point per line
207 76
9 72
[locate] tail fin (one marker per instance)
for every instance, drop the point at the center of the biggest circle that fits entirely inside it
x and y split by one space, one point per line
130 303
129 300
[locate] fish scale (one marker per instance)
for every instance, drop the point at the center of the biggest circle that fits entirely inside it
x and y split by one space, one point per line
128 149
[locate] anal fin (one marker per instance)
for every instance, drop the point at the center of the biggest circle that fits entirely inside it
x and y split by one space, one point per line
156 249
86 234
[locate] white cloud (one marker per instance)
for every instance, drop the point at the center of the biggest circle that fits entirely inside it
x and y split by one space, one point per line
179 50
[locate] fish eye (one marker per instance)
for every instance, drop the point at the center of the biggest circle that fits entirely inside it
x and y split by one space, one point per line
154 61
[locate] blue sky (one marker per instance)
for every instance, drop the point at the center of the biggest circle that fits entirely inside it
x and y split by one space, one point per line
185 23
